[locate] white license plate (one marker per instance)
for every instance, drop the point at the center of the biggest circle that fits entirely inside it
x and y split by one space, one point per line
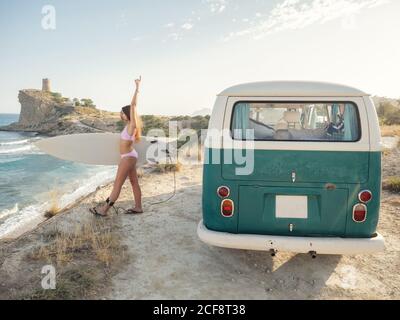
291 207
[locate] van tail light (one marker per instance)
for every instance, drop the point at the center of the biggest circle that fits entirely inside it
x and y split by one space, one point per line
359 212
223 191
227 208
365 196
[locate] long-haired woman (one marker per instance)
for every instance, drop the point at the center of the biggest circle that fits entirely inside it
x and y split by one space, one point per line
127 164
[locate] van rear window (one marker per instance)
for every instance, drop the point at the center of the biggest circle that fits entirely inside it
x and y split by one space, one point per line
299 121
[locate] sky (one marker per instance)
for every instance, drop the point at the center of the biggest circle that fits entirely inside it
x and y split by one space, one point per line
187 51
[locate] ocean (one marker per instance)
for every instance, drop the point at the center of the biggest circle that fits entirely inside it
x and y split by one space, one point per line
31 181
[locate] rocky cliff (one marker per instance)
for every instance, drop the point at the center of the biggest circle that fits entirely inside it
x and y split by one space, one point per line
49 113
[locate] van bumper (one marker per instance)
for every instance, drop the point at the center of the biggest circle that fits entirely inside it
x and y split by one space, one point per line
338 246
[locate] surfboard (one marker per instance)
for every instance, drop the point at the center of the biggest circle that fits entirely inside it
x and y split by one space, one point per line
96 148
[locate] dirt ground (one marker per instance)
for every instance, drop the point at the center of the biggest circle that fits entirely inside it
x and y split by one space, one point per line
166 260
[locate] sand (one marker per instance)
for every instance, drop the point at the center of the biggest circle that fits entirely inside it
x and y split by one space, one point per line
169 262
166 260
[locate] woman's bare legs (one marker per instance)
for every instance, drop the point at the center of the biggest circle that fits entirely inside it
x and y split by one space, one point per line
124 168
137 193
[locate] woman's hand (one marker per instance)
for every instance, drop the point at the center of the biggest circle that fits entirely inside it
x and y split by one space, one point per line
134 99
137 82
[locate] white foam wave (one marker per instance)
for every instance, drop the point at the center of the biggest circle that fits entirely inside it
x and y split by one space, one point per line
7 212
12 143
16 150
29 149
29 217
87 187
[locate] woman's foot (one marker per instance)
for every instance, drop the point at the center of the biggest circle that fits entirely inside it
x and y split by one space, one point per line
135 210
100 210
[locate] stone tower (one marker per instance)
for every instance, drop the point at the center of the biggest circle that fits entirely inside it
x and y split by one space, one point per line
46 85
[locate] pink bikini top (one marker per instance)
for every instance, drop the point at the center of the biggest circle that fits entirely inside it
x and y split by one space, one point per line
125 135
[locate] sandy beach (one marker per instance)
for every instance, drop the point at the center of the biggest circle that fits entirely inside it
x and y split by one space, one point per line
157 255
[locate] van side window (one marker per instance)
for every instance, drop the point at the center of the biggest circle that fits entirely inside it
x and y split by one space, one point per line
299 121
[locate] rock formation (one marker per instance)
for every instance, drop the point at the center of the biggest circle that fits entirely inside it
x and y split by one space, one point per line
49 113
36 107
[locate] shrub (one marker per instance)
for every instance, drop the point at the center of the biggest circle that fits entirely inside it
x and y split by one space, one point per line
168 167
87 103
54 208
57 97
389 114
392 184
120 125
151 122
390 131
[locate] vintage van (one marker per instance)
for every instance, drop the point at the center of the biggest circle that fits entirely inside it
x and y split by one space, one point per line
292 166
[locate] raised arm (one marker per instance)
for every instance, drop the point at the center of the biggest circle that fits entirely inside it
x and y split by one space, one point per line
132 124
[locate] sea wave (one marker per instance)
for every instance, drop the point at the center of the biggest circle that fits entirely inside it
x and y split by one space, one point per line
12 143
87 187
28 149
7 212
16 150
10 160
29 217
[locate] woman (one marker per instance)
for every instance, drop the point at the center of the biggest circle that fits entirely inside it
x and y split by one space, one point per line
127 165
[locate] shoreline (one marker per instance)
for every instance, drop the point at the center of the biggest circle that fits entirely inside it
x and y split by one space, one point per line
41 220
31 226
24 216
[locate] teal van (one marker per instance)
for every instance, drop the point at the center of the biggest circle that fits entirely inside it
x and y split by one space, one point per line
292 166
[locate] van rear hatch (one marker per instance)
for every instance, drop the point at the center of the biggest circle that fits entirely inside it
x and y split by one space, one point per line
303 193
292 211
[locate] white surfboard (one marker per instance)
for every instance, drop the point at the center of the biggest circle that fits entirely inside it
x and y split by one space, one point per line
93 148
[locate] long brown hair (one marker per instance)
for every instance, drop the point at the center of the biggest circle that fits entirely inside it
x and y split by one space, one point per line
138 121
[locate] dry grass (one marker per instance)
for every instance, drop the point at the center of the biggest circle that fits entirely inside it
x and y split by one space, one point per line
386 151
54 208
72 284
390 131
94 239
392 184
95 113
86 111
168 167
85 259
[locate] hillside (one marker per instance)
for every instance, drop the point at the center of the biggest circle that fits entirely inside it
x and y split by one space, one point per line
388 110
49 113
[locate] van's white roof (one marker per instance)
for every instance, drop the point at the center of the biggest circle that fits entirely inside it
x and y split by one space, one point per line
292 89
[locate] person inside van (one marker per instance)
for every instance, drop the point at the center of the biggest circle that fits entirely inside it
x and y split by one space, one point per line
338 126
